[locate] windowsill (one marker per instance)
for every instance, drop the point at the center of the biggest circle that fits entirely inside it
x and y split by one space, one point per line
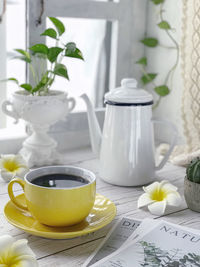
11 133
70 134
12 137
11 141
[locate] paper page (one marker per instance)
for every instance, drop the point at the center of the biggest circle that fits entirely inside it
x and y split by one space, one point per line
165 245
114 240
145 226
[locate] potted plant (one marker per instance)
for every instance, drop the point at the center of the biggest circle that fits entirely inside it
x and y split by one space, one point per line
35 102
192 185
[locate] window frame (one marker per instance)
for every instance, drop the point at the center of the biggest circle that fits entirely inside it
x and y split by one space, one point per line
128 19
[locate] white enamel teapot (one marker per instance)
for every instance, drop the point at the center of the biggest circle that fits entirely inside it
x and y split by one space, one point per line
126 147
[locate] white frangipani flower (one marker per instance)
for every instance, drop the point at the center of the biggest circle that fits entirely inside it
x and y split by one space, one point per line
16 253
12 166
158 195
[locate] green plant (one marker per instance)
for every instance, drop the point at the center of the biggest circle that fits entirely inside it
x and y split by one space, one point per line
163 89
193 171
157 257
43 75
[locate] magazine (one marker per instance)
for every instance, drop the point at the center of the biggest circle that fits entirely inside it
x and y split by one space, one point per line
145 226
165 244
115 239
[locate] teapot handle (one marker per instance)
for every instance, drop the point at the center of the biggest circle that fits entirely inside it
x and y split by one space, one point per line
172 144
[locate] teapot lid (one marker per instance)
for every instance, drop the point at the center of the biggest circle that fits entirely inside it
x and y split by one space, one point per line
128 95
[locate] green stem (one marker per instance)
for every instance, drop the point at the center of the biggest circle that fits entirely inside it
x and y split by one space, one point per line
157 102
159 99
42 66
167 47
171 71
33 73
52 74
147 75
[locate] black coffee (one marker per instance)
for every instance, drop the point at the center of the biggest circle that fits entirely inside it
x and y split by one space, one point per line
60 180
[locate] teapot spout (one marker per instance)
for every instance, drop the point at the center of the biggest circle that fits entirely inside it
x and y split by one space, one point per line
94 128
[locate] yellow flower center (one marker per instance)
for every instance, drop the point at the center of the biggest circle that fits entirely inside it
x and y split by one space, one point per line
158 195
9 261
11 165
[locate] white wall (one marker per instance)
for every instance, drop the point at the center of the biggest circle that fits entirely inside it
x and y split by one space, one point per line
161 59
2 65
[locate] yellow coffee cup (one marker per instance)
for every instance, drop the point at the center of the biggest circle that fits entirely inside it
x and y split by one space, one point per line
56 206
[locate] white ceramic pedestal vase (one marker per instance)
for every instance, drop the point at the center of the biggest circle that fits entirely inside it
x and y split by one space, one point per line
40 112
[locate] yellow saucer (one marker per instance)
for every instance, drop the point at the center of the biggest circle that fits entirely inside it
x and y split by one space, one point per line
102 214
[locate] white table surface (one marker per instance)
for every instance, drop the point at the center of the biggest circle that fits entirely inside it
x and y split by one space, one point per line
73 252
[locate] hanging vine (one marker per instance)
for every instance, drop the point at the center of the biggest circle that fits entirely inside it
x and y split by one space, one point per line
3 11
39 20
151 42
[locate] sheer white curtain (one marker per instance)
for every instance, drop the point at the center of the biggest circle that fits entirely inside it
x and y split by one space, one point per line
191 79
2 61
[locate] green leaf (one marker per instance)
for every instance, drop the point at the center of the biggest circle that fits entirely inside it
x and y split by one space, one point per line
44 82
162 90
12 80
142 61
53 53
164 25
150 42
26 86
71 46
40 48
25 55
157 2
72 51
50 32
61 70
37 87
23 52
58 24
22 58
149 77
50 81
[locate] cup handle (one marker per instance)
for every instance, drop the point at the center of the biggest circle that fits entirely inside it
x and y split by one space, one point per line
11 194
73 103
172 144
8 112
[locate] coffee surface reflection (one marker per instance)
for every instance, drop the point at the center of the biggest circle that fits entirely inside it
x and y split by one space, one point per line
59 180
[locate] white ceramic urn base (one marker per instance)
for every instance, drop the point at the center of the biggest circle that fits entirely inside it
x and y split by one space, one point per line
40 112
39 149
42 158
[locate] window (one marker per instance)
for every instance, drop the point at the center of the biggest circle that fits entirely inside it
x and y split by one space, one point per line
89 35
12 32
118 26
119 19
109 38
